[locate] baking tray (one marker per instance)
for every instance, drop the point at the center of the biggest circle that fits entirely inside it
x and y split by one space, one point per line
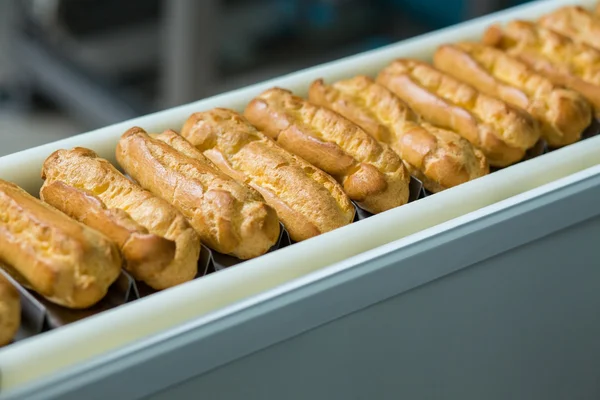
34 362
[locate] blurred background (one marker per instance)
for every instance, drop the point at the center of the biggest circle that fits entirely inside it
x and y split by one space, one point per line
68 66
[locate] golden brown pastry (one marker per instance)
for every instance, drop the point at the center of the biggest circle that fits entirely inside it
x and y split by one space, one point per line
307 200
61 259
82 169
10 311
502 132
563 61
145 254
439 158
370 172
230 217
563 114
575 22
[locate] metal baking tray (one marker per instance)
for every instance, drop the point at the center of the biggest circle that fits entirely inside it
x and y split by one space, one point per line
146 346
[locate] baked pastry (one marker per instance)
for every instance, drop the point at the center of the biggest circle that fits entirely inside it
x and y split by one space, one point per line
502 132
563 61
145 254
575 22
82 169
229 217
563 114
307 200
439 158
61 259
370 172
10 311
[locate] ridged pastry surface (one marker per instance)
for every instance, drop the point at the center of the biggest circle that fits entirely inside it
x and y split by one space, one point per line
501 131
145 254
563 114
564 61
529 40
230 217
370 172
575 22
308 201
83 169
438 157
63 260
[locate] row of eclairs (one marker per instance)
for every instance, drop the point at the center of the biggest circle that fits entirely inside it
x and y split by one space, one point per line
227 179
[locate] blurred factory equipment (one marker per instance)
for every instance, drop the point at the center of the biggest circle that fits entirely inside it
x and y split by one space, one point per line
103 61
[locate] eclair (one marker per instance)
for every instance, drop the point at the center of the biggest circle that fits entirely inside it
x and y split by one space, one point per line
560 59
438 157
576 22
307 200
503 132
67 262
133 217
563 114
10 311
229 217
370 172
145 254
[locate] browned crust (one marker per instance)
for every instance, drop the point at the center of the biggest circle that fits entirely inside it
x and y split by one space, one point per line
10 311
501 131
61 259
439 158
145 254
230 217
563 114
370 172
308 201
82 169
576 22
560 59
